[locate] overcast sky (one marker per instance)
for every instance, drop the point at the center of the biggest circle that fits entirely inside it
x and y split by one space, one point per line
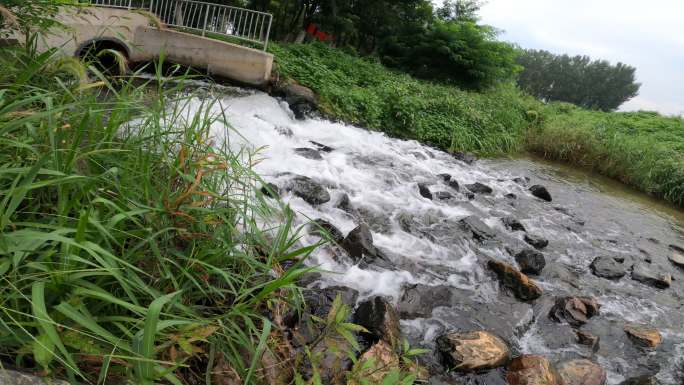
648 35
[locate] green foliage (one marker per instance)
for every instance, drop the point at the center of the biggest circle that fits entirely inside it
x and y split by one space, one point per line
458 51
590 84
131 246
25 15
363 92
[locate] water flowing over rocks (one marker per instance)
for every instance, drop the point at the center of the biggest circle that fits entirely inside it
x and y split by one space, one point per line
450 263
643 335
308 153
470 351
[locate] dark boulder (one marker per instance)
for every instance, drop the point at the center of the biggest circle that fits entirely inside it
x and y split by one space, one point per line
465 157
445 177
302 100
325 229
308 153
531 261
344 203
472 351
454 185
608 267
479 229
381 320
306 188
322 147
418 301
536 241
541 192
511 196
576 311
513 223
443 195
424 191
359 243
479 188
270 190
518 283
651 276
523 181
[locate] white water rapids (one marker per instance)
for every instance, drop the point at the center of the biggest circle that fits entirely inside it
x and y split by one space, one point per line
381 175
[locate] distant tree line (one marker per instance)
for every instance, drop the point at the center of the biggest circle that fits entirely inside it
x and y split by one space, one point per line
593 84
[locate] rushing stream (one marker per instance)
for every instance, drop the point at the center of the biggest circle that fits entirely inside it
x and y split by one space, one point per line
436 272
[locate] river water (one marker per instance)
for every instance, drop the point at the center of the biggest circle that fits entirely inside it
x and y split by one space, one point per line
429 254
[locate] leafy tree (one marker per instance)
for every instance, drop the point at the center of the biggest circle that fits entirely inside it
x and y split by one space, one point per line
594 84
25 15
459 10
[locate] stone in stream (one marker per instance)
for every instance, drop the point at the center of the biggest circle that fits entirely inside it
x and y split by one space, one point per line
644 336
541 192
522 287
270 190
581 372
576 311
531 261
381 320
11 377
445 177
523 181
311 191
532 370
344 203
322 147
302 100
536 241
308 153
443 195
479 188
513 223
465 157
641 380
472 351
454 185
359 243
608 267
418 301
650 276
479 229
375 365
325 229
676 256
588 339
424 191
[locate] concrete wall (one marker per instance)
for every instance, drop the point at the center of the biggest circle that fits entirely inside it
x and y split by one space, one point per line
144 42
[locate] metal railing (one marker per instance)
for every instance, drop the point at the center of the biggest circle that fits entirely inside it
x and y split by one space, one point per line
207 18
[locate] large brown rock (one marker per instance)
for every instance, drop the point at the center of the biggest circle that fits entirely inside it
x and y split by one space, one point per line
574 310
374 365
469 351
532 370
581 372
643 336
521 285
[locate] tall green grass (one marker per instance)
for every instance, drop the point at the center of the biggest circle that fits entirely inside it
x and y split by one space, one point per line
132 246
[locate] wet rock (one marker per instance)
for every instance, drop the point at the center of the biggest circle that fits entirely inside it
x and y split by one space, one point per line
375 365
454 185
322 147
513 223
650 276
424 191
479 229
445 177
518 283
443 195
581 372
531 261
302 100
608 267
479 188
588 339
308 153
641 380
532 370
469 195
11 377
676 256
270 190
381 320
306 188
541 192
284 131
359 243
344 203
536 241
465 157
523 181
470 351
418 301
325 229
574 310
511 196
643 335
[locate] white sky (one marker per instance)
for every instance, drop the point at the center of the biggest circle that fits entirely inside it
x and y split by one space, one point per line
648 35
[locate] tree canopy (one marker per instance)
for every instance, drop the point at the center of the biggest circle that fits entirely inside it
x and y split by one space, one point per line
594 84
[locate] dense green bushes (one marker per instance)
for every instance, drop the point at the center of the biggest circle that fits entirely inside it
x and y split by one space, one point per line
643 149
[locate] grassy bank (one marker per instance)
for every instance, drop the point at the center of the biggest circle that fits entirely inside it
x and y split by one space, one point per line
644 150
130 244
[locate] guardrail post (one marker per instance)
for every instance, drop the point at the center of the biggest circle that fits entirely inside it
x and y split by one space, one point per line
206 19
129 4
268 32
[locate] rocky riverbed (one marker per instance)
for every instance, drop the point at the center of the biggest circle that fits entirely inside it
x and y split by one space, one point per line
508 271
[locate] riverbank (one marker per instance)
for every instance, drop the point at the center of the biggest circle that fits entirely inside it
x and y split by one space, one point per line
644 150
